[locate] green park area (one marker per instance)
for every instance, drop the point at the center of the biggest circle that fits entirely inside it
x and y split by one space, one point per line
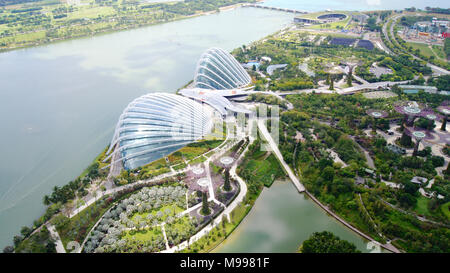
165 211
147 234
31 23
445 208
77 227
218 234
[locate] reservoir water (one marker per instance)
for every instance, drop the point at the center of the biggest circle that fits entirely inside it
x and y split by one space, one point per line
281 220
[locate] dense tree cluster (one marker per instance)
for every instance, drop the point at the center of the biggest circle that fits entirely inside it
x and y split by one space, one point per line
109 235
327 242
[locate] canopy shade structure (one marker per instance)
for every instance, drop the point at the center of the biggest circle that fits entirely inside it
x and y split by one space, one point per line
410 108
155 125
444 108
430 114
418 133
219 70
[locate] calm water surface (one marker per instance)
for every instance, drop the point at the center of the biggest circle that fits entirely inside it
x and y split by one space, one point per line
281 220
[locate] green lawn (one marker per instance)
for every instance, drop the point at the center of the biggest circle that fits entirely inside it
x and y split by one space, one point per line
144 235
91 12
334 25
438 51
424 49
422 206
445 208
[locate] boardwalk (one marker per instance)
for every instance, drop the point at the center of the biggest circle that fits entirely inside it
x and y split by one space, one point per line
263 129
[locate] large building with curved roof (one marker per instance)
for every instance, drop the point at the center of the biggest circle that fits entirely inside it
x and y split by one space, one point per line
219 70
155 125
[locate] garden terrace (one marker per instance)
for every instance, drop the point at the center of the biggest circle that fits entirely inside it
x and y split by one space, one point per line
215 209
364 206
181 229
137 217
192 179
227 197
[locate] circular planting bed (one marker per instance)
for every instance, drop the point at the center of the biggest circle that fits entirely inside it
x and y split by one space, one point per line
226 160
211 212
198 170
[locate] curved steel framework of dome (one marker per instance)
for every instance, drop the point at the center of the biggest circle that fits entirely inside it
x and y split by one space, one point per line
155 125
219 70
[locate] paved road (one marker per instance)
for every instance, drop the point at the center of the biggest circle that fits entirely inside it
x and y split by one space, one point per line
436 69
263 129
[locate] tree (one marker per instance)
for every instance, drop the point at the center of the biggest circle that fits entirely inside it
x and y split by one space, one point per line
447 171
46 200
405 140
331 84
374 125
17 240
205 206
25 231
8 249
327 242
227 185
328 173
444 123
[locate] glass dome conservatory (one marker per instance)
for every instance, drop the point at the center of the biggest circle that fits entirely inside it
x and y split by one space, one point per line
155 125
219 70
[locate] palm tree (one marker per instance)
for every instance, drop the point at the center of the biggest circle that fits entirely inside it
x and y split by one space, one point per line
46 200
331 82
